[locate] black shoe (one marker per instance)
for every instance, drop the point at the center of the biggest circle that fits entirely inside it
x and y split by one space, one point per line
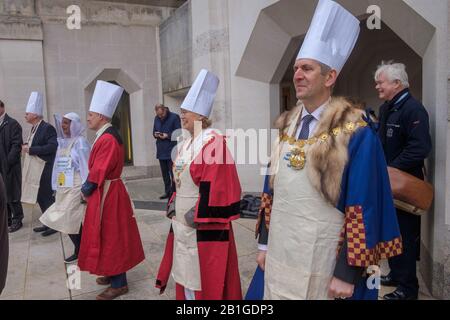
399 295
48 232
41 229
9 223
71 259
387 281
15 226
165 196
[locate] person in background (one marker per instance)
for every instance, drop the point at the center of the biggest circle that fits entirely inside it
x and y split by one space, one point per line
165 124
69 173
4 244
404 132
39 156
10 167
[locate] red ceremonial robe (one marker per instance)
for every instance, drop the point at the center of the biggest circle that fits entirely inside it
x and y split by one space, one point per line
110 243
217 206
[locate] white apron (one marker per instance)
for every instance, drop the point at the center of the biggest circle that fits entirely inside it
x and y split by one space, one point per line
67 213
33 166
304 236
186 263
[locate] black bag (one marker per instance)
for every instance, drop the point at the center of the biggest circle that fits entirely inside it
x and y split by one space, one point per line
250 206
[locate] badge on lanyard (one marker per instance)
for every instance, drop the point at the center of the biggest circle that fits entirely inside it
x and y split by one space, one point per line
65 172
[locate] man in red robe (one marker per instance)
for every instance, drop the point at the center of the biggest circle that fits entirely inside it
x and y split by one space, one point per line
110 244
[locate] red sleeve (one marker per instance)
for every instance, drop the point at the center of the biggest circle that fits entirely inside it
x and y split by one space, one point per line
214 172
103 155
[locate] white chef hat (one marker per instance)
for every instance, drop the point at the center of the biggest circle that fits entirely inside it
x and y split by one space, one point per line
200 98
35 103
106 98
332 35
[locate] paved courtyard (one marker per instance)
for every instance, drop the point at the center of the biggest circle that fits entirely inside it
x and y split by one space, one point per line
37 271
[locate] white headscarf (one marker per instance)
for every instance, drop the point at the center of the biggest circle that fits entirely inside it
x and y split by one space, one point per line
80 146
77 129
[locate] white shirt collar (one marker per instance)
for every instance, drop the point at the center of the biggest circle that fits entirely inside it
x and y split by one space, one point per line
317 113
101 131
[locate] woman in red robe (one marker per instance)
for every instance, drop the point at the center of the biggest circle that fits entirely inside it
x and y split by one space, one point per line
200 251
110 244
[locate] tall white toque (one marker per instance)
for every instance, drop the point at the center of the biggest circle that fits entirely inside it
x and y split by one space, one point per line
106 98
200 98
35 103
332 35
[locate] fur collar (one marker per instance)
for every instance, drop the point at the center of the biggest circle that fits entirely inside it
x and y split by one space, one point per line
326 160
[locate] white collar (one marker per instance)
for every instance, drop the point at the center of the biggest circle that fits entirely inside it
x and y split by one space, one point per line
36 126
317 113
101 131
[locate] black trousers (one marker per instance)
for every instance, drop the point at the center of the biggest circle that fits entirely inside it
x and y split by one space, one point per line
76 240
403 267
15 212
45 197
167 174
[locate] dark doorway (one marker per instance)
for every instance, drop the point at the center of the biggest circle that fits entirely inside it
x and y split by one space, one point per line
122 122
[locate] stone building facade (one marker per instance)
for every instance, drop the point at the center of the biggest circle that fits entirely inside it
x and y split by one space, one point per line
118 41
154 49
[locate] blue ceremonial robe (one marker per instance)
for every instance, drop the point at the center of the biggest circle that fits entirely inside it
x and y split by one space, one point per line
366 200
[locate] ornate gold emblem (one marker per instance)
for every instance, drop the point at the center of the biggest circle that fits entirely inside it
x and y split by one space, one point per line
297 159
350 127
336 131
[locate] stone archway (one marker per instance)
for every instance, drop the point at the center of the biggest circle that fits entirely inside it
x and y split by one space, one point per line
281 27
136 106
356 79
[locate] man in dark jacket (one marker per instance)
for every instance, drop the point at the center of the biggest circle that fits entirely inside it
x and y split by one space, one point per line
4 245
10 167
44 145
405 135
165 124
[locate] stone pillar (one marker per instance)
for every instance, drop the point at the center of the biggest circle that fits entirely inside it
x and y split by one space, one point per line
210 50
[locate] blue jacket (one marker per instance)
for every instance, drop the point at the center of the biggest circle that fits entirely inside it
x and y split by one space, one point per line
404 132
168 125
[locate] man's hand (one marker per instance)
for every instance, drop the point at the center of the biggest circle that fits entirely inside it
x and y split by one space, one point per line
339 289
163 136
261 259
25 148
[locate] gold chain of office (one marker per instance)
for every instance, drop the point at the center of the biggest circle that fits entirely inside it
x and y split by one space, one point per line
297 155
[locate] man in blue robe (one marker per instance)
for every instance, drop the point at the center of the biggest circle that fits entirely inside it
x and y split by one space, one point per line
327 201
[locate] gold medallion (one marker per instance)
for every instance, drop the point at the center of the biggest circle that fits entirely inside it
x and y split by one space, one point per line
297 159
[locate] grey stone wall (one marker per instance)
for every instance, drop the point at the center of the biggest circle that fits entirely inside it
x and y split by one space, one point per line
176 50
117 41
17 7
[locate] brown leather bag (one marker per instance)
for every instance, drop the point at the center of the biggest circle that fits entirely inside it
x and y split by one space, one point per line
410 194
